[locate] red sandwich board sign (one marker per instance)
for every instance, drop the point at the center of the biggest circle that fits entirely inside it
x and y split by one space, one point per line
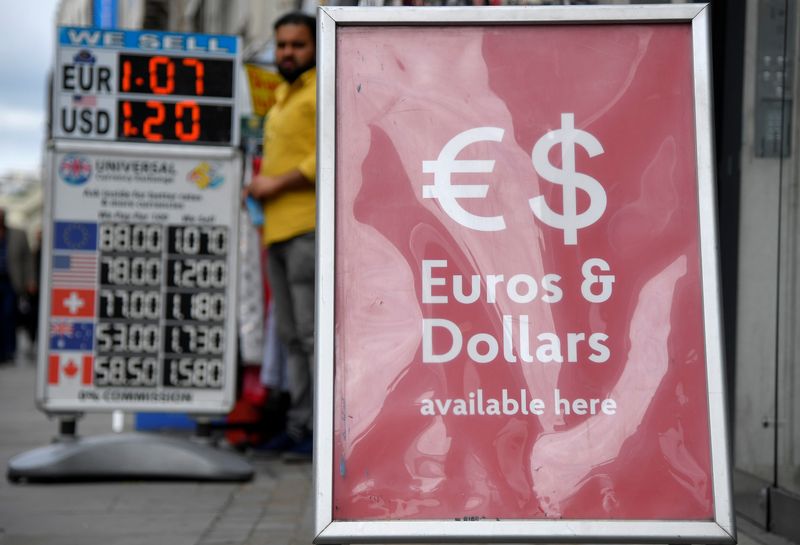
518 313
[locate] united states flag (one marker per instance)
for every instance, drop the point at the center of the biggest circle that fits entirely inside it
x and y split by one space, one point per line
74 270
84 100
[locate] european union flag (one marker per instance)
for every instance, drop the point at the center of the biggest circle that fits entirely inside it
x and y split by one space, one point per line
71 335
75 236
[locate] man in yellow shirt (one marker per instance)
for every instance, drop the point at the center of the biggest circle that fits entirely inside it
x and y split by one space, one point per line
286 186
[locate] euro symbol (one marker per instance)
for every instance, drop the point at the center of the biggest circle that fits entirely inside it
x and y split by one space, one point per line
570 220
447 193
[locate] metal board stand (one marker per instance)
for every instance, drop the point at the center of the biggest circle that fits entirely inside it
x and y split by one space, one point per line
126 456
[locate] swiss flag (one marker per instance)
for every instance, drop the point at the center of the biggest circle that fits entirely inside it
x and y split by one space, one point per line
73 303
70 367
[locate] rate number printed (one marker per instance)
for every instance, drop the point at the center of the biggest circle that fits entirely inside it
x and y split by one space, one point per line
162 307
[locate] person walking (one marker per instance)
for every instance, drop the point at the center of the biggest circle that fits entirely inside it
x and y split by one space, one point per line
286 186
16 280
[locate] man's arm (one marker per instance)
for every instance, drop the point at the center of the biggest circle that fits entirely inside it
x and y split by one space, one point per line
263 187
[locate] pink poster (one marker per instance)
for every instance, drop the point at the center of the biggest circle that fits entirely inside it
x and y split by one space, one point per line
519 314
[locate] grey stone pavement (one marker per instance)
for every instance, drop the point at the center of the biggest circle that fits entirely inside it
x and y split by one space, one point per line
275 508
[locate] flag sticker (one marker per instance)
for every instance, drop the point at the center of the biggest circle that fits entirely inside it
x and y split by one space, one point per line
73 303
61 328
66 335
84 100
75 270
75 236
70 367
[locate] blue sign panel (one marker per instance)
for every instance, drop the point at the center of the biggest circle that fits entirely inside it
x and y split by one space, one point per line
104 13
147 40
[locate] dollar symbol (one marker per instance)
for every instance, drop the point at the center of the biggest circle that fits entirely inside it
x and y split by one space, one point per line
570 220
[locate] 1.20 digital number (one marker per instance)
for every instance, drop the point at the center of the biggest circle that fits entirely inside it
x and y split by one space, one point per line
185 121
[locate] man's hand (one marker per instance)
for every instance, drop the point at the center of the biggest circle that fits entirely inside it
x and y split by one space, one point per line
265 187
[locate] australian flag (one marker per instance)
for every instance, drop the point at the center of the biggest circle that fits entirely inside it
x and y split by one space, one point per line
71 335
73 235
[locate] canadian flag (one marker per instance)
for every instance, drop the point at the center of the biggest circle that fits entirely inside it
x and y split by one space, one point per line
70 367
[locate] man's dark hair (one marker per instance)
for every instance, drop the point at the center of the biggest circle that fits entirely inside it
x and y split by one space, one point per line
298 18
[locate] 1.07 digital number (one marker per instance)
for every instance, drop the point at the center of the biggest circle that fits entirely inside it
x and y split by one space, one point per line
170 76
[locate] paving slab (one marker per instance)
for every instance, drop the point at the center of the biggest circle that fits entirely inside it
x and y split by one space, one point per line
275 508
137 512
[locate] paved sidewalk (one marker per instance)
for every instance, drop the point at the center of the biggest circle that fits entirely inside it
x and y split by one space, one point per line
273 509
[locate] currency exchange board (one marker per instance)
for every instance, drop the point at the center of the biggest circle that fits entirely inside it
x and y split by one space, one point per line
141 219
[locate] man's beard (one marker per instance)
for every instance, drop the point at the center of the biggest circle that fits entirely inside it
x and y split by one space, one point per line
291 75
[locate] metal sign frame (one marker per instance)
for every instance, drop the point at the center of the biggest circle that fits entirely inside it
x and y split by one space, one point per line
95 85
720 529
167 152
112 43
